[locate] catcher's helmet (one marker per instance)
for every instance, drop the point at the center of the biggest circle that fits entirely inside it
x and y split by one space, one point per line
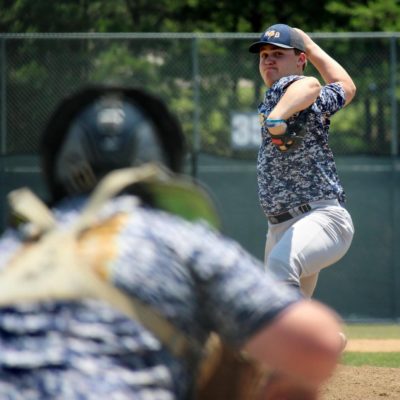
99 129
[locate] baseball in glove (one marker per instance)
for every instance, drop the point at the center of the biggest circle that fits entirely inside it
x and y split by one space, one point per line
296 128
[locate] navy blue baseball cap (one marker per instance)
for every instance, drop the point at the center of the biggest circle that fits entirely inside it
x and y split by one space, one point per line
280 35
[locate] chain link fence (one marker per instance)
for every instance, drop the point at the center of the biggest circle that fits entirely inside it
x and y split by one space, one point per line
212 83
210 80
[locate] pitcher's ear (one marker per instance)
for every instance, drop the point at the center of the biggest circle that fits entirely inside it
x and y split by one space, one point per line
302 61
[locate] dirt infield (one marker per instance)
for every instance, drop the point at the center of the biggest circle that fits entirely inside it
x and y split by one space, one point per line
365 383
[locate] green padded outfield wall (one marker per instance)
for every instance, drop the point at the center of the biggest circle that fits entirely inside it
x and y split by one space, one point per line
364 285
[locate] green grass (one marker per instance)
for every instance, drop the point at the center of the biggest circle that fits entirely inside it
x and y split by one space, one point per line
372 331
389 360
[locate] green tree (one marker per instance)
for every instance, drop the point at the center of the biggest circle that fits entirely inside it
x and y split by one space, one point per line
229 77
368 16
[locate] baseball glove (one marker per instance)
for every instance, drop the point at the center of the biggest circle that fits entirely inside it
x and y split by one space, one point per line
296 128
226 374
282 387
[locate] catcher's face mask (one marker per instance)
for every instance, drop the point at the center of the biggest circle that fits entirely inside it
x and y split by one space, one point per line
102 128
108 134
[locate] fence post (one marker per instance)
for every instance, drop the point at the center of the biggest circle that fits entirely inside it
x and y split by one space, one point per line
3 130
395 253
393 99
3 99
196 111
395 180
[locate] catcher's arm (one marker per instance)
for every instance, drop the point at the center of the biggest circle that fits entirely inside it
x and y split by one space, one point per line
302 343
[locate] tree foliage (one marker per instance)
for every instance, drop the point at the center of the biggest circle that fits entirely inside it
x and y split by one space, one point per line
229 78
196 15
372 15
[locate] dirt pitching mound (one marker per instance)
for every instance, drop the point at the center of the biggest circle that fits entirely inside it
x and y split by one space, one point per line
363 383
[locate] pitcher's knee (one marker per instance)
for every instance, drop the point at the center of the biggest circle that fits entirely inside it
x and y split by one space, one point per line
284 272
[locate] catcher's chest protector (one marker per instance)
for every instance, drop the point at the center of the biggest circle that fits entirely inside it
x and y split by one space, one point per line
69 263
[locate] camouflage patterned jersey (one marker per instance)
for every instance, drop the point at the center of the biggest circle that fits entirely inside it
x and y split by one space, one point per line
87 350
308 173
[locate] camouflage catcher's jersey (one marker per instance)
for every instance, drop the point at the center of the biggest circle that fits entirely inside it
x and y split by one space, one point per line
308 173
195 278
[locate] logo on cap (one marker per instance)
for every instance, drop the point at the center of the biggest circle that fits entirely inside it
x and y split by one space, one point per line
270 34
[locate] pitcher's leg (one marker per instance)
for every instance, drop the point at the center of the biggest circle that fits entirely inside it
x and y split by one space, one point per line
308 284
310 244
279 262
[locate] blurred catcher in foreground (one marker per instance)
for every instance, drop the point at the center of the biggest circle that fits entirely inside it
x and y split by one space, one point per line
113 292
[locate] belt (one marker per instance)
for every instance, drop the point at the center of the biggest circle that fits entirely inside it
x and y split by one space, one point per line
294 212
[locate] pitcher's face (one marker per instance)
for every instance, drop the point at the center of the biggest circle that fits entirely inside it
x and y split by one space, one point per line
277 62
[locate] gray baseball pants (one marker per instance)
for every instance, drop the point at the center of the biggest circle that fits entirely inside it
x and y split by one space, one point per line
298 249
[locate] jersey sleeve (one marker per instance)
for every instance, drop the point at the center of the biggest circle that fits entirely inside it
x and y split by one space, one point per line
331 99
286 81
239 297
196 278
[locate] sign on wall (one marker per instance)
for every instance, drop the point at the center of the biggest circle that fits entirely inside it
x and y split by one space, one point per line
245 131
